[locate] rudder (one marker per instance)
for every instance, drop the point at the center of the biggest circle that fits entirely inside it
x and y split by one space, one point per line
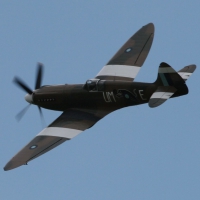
169 84
167 76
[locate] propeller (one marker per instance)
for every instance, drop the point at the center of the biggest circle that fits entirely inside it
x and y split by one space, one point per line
21 84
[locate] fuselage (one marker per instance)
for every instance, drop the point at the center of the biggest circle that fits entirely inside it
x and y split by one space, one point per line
107 95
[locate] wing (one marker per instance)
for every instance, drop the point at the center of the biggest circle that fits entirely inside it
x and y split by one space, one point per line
127 62
68 125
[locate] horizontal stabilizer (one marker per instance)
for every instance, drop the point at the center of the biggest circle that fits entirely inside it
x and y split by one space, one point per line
161 95
187 71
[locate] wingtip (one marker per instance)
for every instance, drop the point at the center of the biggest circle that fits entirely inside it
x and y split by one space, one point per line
12 164
148 28
150 24
6 168
9 167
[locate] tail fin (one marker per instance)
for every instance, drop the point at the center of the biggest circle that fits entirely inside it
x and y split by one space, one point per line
167 76
169 84
187 71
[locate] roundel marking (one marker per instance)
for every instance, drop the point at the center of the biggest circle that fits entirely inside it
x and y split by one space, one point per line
33 147
128 50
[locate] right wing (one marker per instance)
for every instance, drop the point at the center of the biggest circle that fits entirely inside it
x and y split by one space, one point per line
68 125
127 62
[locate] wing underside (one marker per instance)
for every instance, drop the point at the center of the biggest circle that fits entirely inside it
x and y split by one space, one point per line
127 62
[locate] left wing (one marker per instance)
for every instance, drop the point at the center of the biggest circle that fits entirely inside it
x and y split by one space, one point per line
127 62
68 125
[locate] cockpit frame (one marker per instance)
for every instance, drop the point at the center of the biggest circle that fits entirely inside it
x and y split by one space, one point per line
94 85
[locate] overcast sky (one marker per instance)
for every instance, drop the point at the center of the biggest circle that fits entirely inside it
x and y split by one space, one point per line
134 153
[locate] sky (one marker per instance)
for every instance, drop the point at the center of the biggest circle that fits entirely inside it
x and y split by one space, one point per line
133 153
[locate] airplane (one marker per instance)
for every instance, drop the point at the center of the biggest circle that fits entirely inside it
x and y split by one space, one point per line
113 88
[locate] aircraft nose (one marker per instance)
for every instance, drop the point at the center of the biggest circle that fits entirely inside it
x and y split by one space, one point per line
29 98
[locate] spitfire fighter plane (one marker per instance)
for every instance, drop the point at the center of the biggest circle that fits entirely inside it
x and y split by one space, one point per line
111 89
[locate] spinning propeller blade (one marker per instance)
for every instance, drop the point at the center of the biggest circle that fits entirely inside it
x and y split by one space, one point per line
40 110
39 76
22 112
23 85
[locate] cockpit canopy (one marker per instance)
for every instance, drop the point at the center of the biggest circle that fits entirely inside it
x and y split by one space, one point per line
94 85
